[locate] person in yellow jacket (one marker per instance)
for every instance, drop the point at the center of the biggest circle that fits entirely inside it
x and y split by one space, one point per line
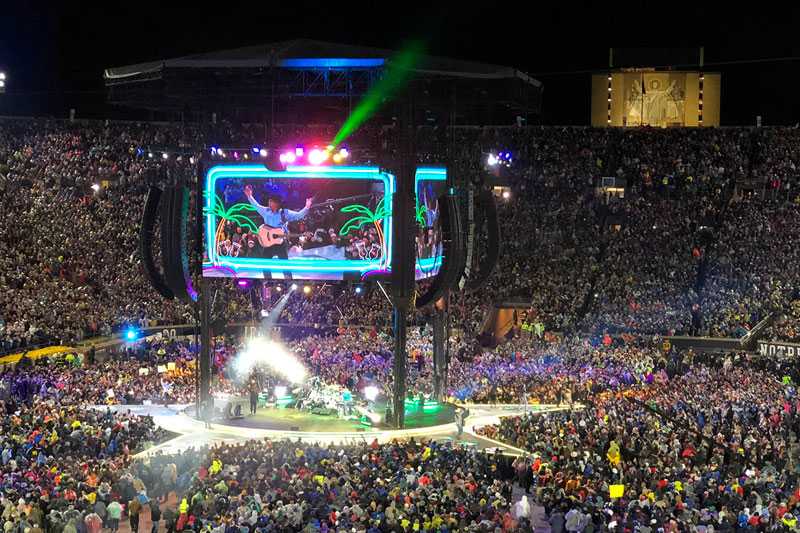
613 454
426 453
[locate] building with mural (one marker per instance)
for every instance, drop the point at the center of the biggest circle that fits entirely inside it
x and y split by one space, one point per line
649 97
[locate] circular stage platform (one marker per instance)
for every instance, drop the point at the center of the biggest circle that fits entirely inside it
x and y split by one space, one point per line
275 423
418 416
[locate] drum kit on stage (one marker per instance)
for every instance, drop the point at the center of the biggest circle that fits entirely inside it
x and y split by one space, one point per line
328 399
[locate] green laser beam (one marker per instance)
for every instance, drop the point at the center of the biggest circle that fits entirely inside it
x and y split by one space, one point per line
396 75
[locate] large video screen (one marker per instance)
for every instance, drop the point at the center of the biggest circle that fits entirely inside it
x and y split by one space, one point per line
312 223
430 184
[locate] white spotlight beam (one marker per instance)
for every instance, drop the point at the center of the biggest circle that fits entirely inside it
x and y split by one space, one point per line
272 355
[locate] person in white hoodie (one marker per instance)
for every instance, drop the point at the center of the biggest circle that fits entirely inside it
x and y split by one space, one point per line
522 509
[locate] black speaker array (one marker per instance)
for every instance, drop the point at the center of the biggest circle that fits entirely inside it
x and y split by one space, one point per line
152 272
488 212
174 212
173 205
182 252
453 249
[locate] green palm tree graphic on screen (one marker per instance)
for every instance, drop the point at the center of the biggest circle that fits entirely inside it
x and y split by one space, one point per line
235 213
420 213
365 216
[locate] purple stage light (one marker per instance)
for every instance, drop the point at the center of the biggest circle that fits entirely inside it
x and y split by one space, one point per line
375 273
229 272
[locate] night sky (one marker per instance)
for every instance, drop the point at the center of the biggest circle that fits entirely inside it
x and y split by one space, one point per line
54 53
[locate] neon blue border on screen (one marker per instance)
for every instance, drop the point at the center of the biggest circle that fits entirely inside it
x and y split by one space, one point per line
304 172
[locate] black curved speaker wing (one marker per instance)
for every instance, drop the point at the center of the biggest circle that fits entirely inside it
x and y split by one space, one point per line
183 244
166 234
146 231
453 250
487 266
176 260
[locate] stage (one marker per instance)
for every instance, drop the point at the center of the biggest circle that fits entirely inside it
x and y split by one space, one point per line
418 416
193 433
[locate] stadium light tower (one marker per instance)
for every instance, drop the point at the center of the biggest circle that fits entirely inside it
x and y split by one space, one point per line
2 82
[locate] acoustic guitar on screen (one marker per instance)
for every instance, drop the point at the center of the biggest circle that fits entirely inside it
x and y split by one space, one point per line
269 236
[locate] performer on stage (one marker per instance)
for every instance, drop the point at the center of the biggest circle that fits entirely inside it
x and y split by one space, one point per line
253 389
277 217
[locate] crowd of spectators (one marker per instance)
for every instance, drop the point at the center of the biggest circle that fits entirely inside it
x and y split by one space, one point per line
523 370
786 326
528 369
698 446
703 240
653 295
696 443
63 463
279 486
776 162
156 373
752 273
582 261
419 486
66 248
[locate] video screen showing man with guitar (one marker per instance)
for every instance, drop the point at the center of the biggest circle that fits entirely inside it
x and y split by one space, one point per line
273 234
